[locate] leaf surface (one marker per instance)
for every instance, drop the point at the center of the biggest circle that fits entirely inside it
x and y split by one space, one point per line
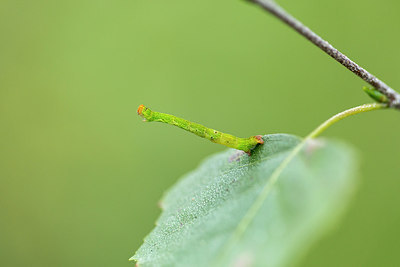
236 210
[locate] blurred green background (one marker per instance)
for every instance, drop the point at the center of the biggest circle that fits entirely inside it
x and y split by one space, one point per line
80 174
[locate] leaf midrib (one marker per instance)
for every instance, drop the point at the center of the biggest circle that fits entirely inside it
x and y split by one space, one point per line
255 207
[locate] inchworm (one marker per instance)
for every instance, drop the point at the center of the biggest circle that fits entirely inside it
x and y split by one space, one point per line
245 144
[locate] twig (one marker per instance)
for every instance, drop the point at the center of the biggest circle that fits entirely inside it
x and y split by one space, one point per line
275 9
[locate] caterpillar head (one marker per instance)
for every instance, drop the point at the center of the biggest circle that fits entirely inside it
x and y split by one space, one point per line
259 139
144 112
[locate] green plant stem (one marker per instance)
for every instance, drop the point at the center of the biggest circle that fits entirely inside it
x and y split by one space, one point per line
342 115
252 212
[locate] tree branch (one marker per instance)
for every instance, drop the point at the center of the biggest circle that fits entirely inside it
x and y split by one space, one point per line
280 13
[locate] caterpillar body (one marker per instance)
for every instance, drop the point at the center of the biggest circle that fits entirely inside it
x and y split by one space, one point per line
244 144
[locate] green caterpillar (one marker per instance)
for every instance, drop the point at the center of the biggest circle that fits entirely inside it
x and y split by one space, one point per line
244 144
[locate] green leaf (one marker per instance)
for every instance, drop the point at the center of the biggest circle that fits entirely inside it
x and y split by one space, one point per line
376 95
230 212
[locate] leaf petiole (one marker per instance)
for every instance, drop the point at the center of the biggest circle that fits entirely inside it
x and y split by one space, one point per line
344 114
